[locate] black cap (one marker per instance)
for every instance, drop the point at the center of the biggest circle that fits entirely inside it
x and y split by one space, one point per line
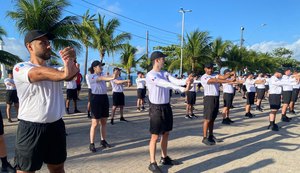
279 70
209 65
249 73
116 68
97 63
227 71
35 34
157 54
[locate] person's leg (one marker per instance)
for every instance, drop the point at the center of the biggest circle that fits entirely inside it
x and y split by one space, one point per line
291 106
75 106
8 112
121 112
103 128
94 125
17 108
152 147
211 127
284 108
59 168
113 111
206 123
164 144
67 105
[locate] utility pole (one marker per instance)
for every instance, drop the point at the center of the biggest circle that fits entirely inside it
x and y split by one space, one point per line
242 34
147 53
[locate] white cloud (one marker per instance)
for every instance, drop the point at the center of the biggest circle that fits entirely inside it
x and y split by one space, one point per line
271 45
15 47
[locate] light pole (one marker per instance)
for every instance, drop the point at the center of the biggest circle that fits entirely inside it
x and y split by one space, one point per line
242 39
182 29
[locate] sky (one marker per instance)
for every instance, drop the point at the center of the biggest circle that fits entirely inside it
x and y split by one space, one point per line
268 24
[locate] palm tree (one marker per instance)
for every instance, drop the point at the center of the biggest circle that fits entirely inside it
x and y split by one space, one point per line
2 33
218 51
127 58
197 48
83 33
104 38
46 15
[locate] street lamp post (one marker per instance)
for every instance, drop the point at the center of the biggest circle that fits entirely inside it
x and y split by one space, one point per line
182 29
242 39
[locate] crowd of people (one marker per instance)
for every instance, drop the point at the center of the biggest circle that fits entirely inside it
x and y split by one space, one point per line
35 89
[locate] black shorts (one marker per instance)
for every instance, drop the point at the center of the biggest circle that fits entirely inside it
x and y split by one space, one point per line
99 106
161 118
118 99
267 88
250 98
191 97
295 94
228 98
211 107
260 93
244 88
11 97
78 87
89 94
1 124
38 143
72 94
141 93
286 97
275 101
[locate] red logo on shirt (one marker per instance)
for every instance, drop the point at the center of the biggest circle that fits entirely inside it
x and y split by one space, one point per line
17 69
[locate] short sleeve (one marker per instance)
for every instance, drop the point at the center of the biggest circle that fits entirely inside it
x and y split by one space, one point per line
20 72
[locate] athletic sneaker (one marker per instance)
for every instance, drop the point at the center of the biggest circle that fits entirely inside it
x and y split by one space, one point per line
273 127
228 119
284 118
67 111
8 168
144 109
104 144
168 161
225 121
292 112
208 142
259 109
188 117
123 119
194 116
9 120
214 139
154 168
138 110
249 115
92 148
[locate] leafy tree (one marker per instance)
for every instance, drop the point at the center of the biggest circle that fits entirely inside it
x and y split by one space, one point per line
218 51
282 52
128 58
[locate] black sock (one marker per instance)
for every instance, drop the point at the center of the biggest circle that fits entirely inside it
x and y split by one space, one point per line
272 123
4 161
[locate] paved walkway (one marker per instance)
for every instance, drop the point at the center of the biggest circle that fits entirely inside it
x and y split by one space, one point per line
248 146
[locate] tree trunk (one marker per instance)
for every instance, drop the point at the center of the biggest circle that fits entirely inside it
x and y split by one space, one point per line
128 77
85 63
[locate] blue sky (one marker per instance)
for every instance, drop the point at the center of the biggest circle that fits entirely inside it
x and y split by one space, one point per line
221 18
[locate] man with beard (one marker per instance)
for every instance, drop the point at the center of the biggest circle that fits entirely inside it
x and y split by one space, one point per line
41 131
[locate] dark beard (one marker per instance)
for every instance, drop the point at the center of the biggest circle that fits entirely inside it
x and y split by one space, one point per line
44 56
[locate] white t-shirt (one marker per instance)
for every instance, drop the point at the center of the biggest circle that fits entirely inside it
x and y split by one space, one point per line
88 81
9 87
97 87
250 85
287 79
118 88
71 84
40 102
228 88
262 85
140 83
210 89
159 85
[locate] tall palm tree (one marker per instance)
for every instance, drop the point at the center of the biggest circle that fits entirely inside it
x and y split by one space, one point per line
104 38
218 51
128 58
234 58
83 33
46 15
2 33
197 48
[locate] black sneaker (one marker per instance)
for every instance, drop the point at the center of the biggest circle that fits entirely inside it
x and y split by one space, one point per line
104 144
9 120
8 168
292 112
112 121
76 111
214 139
123 119
285 119
168 161
228 119
273 127
188 117
92 148
67 111
225 121
194 116
154 168
207 142
249 115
